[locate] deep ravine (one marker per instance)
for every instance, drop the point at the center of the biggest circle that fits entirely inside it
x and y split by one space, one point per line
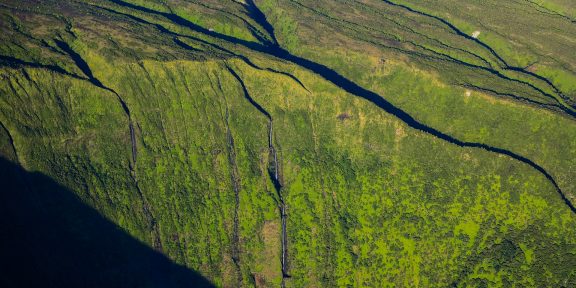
256 14
274 172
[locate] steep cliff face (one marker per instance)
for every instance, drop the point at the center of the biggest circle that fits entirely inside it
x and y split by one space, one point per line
287 143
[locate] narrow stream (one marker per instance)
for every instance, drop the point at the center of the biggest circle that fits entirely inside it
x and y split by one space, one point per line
281 204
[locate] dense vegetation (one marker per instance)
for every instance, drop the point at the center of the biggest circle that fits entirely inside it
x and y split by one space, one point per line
296 143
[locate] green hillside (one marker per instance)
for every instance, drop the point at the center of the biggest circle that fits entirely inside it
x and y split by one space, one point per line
288 143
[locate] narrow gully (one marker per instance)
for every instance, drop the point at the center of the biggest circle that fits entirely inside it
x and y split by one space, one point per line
256 14
274 174
527 101
253 30
550 12
85 68
281 204
241 57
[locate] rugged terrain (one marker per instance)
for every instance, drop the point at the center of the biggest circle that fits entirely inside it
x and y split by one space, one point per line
293 143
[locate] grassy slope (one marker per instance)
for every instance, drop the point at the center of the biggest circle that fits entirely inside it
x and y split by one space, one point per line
528 36
408 83
364 192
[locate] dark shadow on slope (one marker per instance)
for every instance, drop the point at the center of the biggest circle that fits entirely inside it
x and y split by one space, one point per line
8 61
256 14
50 238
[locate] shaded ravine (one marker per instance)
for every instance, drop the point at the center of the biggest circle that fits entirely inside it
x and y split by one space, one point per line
506 66
85 68
260 18
257 34
353 88
273 172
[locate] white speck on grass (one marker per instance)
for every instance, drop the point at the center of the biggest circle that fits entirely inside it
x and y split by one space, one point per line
475 34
